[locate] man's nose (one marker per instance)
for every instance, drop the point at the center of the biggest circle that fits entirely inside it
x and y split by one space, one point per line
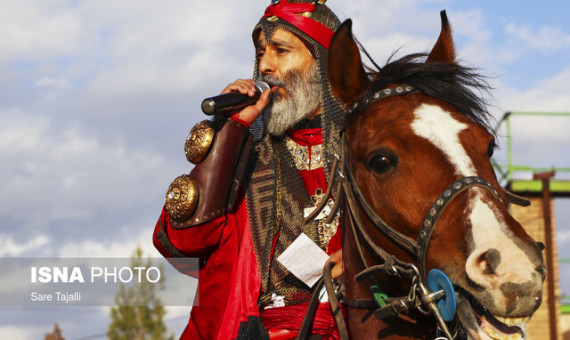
266 64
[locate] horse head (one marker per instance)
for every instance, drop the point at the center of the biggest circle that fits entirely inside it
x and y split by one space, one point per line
417 138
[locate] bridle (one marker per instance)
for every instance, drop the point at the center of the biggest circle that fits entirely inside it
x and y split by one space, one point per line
419 296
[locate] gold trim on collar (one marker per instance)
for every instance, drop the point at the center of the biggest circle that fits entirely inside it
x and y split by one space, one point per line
301 156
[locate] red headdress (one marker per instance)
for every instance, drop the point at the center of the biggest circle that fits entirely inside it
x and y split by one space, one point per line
299 15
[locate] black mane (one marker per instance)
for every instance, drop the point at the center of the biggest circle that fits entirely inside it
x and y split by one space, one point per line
460 86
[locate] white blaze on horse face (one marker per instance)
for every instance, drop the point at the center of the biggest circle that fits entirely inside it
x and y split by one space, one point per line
437 126
488 226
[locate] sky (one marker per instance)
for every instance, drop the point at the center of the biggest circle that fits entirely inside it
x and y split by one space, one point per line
97 98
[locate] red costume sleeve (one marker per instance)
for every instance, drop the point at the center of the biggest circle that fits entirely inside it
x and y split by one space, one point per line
197 241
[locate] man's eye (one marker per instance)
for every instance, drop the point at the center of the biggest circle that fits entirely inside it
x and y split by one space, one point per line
281 50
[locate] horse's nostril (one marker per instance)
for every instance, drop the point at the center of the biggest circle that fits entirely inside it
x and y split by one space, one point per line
542 271
492 259
540 245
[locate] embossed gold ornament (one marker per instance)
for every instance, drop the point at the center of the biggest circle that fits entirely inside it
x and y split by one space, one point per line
199 141
326 230
300 154
182 198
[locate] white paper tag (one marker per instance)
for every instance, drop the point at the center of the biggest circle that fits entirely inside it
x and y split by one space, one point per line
276 301
304 259
324 213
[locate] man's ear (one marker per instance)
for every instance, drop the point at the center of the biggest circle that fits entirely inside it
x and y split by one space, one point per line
444 50
346 72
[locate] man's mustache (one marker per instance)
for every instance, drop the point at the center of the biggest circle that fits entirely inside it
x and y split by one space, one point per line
273 81
289 80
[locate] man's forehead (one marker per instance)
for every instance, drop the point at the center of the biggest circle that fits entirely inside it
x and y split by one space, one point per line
280 37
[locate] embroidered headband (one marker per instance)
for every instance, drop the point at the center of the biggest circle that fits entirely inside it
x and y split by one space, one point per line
295 14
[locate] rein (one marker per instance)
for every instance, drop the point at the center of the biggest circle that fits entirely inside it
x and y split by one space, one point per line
419 296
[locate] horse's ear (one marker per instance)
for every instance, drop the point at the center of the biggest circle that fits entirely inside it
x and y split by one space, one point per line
346 73
444 49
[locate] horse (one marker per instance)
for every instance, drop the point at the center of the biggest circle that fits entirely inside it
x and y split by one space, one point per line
429 247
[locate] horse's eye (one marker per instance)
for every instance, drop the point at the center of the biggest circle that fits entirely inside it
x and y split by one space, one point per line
381 163
491 148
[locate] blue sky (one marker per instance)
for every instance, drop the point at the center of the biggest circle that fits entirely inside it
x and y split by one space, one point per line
97 97
535 20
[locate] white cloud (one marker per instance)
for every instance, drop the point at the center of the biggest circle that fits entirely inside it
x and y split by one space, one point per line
128 46
475 43
563 236
10 248
56 177
544 38
537 140
51 89
549 95
14 332
15 138
38 28
119 247
393 17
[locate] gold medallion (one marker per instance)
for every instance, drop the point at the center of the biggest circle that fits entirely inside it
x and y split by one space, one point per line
199 141
182 198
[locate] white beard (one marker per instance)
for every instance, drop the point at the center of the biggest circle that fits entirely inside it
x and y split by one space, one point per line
304 98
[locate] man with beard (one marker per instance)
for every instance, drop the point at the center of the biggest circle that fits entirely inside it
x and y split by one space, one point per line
245 202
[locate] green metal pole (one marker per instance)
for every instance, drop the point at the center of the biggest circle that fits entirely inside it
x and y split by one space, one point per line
509 148
541 114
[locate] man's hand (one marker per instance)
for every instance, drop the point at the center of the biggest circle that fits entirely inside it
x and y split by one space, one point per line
338 268
247 86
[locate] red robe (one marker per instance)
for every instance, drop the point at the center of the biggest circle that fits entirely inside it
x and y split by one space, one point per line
229 280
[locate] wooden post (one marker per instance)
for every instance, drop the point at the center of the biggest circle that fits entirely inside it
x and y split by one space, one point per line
546 208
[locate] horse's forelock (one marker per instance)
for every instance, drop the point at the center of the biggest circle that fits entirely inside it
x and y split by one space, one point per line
460 86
